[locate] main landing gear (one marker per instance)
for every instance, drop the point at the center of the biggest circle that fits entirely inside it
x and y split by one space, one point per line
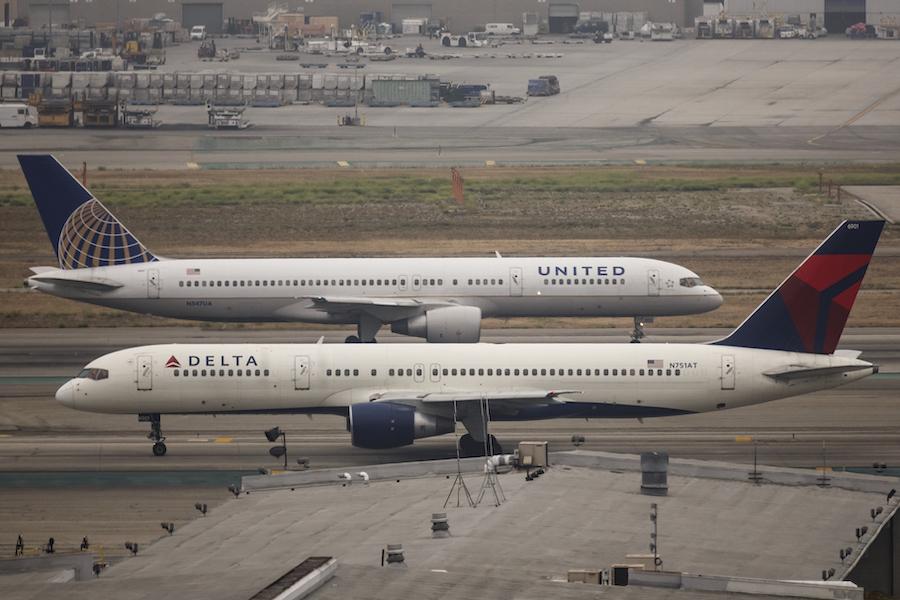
366 330
469 446
159 446
637 334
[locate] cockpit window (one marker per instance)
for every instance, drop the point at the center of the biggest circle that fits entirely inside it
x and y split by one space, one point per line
690 282
95 374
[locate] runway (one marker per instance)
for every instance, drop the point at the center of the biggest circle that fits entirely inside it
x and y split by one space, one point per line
858 424
274 144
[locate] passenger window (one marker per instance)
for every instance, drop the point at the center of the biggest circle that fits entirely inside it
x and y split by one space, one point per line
434 373
470 282
337 372
203 372
240 372
641 372
490 372
606 372
472 372
328 372
543 372
265 283
677 372
440 282
493 282
552 372
394 282
180 284
615 371
506 372
480 371
432 282
374 372
194 372
257 372
176 372
453 371
390 372
418 372
650 372
668 372
455 281
184 373
631 372
659 372
356 372
446 372
500 281
295 283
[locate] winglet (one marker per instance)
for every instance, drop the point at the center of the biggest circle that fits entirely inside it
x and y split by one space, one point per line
808 311
83 231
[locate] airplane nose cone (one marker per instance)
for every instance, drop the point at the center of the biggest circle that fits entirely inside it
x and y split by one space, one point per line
66 395
715 299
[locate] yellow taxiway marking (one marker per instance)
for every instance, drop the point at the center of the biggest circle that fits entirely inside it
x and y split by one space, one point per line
823 469
343 163
490 163
193 165
743 439
224 440
640 162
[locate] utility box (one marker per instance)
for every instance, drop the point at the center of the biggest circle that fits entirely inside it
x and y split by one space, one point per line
584 576
534 454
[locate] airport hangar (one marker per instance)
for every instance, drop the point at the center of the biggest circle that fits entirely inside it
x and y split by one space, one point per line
553 16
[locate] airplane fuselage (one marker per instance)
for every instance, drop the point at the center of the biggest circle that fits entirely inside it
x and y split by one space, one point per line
608 380
307 290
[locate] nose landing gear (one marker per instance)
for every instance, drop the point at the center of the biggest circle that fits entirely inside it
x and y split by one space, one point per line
637 334
159 446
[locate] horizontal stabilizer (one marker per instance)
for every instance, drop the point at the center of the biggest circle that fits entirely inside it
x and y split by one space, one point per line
95 283
794 372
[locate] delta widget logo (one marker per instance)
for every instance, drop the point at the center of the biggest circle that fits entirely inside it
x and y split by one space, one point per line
173 363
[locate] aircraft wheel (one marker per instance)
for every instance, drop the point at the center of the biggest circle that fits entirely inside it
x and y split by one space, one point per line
159 449
351 339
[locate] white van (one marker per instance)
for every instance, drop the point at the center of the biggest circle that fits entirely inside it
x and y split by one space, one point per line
18 114
198 33
501 29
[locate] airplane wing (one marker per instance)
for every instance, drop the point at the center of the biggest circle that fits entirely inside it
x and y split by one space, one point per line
793 372
521 396
385 309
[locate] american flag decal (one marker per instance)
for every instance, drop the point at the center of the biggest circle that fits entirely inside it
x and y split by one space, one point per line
655 364
192 271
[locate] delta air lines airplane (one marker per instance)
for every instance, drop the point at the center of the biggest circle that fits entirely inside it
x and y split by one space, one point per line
439 299
392 394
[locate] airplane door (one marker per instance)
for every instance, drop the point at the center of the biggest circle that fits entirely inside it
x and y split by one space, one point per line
416 283
153 283
145 372
419 373
727 372
653 282
435 372
515 281
301 372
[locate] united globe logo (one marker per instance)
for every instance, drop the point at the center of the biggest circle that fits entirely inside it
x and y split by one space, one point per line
93 237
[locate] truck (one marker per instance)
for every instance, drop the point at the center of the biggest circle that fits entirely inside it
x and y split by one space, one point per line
545 85
472 39
501 29
17 114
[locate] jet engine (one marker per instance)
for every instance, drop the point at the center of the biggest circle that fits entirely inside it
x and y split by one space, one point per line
377 425
447 324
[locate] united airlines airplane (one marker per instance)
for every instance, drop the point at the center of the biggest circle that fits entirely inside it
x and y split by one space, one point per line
395 393
440 299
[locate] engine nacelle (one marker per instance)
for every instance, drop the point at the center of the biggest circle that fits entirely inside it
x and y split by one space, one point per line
448 324
378 425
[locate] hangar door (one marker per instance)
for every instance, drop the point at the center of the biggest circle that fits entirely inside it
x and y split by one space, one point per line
400 11
210 14
42 13
563 17
841 14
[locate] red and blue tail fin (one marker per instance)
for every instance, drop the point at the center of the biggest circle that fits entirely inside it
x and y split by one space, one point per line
807 312
83 231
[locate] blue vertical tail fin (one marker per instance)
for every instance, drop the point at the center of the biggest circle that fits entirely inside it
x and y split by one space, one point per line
808 311
83 231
